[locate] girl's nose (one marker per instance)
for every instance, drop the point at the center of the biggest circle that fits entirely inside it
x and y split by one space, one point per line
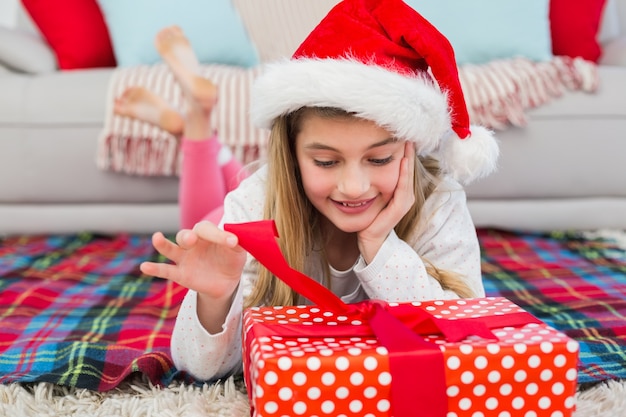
353 181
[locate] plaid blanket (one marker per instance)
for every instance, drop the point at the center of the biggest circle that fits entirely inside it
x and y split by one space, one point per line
76 311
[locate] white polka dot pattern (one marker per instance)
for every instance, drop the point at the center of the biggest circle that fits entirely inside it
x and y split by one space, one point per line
530 370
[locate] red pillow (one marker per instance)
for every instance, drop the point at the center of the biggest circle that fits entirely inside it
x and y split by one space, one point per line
75 30
574 26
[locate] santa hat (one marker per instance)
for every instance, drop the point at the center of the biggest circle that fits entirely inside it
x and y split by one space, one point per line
383 61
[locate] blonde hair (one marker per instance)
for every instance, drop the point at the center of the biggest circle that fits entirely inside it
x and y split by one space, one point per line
297 220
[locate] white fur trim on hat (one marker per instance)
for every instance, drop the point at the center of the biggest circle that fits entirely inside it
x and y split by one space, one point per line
411 107
471 158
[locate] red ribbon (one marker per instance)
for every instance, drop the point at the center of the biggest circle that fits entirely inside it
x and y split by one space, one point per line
416 365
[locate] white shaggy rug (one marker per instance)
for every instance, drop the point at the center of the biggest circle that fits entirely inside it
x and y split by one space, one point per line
139 398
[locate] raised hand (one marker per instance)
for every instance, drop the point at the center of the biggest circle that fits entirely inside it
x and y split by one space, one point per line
371 239
206 259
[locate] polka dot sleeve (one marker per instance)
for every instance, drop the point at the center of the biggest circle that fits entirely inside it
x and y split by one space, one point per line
206 356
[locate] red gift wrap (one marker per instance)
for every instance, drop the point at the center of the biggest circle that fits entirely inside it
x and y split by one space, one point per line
477 357
528 369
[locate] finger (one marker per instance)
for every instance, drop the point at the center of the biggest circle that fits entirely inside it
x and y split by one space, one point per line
210 232
403 177
186 238
160 270
407 169
410 155
166 247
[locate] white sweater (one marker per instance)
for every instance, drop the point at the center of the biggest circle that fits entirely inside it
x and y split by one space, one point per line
446 237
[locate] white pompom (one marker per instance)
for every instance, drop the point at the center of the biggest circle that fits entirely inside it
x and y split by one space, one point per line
471 158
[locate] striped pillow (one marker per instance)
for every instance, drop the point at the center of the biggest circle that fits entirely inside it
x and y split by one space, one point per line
139 148
278 27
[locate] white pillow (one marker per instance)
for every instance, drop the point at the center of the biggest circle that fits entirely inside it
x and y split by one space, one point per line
278 27
24 51
8 13
609 25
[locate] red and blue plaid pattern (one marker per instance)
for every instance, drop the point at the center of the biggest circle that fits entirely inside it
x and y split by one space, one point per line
75 310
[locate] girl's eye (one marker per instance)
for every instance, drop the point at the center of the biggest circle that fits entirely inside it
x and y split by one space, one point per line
324 164
383 161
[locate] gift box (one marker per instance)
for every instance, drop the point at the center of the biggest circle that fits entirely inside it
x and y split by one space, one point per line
467 357
293 371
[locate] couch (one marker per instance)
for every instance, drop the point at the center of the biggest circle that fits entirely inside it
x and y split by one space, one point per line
565 169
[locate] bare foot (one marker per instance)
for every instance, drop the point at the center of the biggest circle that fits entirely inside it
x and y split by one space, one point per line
177 53
141 104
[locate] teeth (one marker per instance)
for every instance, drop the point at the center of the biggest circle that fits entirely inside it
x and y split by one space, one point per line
352 205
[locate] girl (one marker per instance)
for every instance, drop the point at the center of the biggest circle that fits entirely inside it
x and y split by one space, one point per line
360 180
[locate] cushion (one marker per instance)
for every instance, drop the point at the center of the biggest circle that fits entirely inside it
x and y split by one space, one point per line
8 13
213 27
23 51
278 27
575 27
75 30
497 29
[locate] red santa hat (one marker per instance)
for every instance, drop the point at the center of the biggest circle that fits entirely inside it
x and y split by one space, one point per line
384 62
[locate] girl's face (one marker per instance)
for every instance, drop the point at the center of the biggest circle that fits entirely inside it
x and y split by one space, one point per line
350 168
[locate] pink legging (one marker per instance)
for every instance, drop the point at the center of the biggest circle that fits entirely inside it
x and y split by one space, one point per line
204 182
